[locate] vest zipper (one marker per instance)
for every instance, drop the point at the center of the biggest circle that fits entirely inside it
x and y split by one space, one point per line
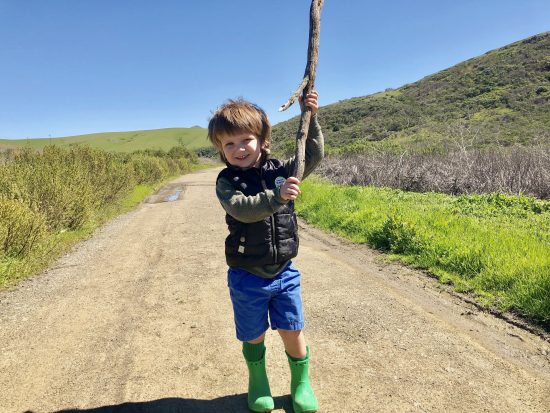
271 221
274 237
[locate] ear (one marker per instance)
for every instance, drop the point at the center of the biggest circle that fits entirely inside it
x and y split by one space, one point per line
265 150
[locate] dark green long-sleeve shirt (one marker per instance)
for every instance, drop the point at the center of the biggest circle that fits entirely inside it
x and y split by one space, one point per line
258 207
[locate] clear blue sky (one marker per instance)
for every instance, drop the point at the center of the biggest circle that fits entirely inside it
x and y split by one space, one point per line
82 66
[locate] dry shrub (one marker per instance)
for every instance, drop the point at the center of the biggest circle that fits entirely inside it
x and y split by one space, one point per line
515 170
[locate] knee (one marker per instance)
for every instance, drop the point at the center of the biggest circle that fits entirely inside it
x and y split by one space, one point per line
257 340
290 334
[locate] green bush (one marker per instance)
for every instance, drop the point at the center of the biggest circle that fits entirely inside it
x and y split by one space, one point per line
148 169
181 152
20 228
397 236
42 195
67 186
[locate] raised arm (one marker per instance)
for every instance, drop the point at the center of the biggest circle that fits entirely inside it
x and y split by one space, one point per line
314 149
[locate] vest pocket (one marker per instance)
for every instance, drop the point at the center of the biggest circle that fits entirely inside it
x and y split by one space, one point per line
233 241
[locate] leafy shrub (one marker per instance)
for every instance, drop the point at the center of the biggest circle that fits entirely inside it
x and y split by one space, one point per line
208 152
148 169
397 236
43 194
20 228
67 186
181 152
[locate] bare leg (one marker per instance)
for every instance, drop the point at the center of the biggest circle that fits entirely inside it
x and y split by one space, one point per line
257 340
295 342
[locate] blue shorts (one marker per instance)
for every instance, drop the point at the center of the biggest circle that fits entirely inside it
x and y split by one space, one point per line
253 297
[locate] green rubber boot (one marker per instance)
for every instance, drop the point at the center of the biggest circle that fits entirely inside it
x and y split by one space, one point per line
303 398
259 394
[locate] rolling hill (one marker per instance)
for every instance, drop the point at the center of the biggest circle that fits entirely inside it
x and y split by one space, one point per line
192 138
499 98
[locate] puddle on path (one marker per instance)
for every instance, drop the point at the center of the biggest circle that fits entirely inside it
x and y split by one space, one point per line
175 196
168 193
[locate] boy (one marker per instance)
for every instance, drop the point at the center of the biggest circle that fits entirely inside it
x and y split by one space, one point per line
257 193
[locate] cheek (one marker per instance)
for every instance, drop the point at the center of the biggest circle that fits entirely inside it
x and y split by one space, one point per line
254 146
226 152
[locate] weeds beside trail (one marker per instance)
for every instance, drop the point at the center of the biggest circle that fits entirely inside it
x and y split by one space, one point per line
495 246
50 200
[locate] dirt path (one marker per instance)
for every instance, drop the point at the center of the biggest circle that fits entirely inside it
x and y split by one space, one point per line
138 318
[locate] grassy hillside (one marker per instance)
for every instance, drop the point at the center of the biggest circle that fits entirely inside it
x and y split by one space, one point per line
499 98
192 138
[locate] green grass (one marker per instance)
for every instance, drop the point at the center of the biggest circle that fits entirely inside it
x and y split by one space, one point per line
494 246
56 244
192 138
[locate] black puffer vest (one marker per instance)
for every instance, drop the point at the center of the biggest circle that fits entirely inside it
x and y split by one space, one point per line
270 241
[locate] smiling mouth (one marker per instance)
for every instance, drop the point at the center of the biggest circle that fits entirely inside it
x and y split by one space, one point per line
240 158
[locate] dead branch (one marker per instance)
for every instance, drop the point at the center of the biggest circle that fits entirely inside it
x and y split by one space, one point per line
309 74
295 95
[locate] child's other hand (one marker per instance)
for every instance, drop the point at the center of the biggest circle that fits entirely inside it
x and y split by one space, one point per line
290 189
311 101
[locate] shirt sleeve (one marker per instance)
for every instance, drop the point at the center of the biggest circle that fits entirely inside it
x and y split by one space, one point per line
315 149
245 208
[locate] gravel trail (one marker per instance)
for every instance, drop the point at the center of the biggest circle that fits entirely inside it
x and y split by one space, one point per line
137 319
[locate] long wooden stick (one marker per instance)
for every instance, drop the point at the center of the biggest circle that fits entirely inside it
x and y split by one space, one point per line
307 85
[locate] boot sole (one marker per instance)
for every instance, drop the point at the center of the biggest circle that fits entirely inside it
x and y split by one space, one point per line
303 411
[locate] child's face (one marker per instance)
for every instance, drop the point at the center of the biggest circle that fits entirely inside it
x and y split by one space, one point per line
242 149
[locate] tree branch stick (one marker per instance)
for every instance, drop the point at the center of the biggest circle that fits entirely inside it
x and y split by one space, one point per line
295 95
311 67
